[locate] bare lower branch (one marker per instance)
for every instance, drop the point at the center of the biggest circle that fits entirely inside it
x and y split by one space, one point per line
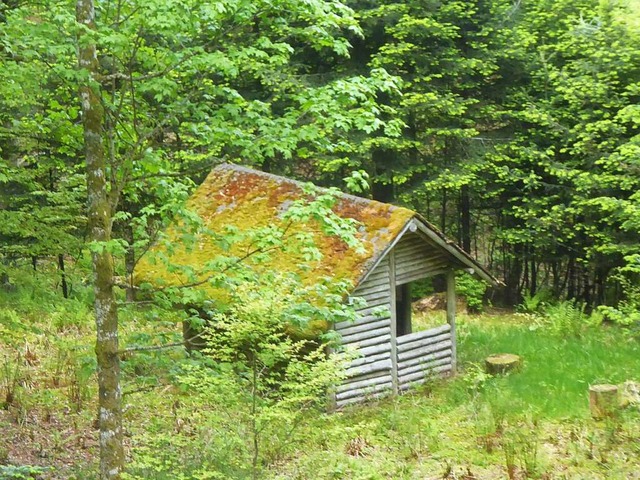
151 348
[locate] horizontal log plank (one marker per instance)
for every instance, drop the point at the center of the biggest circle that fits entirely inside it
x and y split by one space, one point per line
421 274
417 253
411 242
374 288
372 325
421 270
364 391
378 300
363 398
420 378
375 303
366 315
432 332
410 239
361 382
366 334
426 362
371 298
379 274
372 341
359 322
418 267
383 310
359 378
413 357
412 350
416 256
376 277
424 372
412 264
368 359
374 349
380 366
369 287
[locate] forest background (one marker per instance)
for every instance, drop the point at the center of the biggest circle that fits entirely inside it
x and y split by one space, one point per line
513 127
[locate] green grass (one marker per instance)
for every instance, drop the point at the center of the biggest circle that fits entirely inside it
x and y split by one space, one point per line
557 370
537 417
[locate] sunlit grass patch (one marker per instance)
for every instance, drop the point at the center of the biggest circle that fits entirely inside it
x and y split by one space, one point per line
557 369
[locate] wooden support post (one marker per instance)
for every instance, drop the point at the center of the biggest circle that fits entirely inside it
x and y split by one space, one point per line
394 322
451 316
331 392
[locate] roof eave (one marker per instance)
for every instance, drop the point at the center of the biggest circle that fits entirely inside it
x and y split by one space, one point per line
384 252
463 257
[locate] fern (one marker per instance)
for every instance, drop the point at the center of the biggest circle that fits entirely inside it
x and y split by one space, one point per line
566 318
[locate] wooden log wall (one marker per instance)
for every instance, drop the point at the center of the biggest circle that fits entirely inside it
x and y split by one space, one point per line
369 375
386 364
424 354
416 259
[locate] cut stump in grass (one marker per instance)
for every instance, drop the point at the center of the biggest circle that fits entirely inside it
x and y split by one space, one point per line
603 400
500 363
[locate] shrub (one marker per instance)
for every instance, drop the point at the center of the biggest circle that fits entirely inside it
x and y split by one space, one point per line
472 290
569 318
22 472
244 400
535 303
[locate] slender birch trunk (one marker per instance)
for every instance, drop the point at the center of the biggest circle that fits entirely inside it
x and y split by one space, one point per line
100 222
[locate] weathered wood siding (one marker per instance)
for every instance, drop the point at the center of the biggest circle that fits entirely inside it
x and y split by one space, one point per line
369 374
424 354
415 258
385 363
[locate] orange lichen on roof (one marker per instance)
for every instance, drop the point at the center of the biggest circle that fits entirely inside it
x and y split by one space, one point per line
247 199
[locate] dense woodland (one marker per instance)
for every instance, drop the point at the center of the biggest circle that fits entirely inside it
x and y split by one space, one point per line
512 126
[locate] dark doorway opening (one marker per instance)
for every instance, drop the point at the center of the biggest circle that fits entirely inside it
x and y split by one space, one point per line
403 309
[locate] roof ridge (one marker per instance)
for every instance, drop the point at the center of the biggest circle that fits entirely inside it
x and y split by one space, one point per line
299 183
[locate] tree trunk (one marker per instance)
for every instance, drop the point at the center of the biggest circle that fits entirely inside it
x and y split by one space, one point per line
524 286
99 222
534 273
513 275
465 218
587 289
555 271
599 281
443 211
382 188
570 278
63 276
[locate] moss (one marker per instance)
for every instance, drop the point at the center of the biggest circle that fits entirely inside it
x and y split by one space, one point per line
249 200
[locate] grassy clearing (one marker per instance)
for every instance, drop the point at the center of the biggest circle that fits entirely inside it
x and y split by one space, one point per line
557 368
531 424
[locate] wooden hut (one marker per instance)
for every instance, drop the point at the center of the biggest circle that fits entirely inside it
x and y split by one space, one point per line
400 247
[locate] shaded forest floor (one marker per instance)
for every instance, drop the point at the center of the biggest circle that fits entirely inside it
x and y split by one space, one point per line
531 424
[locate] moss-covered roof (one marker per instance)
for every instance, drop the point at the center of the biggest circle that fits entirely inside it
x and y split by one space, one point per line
249 199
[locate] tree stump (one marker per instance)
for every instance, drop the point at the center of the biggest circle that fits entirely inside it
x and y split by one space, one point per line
603 400
502 363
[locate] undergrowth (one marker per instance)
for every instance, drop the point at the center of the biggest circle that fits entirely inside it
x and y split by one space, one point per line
531 424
